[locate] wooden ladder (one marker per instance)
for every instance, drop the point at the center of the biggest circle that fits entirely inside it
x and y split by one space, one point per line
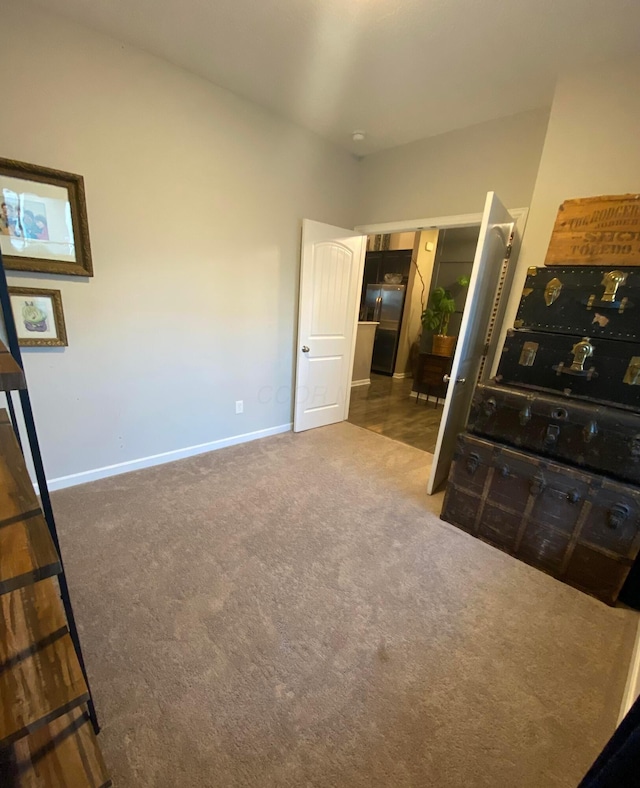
47 739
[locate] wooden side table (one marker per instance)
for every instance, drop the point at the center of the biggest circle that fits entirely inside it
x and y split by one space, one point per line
429 373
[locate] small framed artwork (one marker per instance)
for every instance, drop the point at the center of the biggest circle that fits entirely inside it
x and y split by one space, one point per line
43 220
39 317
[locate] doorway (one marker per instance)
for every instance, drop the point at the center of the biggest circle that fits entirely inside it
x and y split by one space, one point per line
397 382
320 319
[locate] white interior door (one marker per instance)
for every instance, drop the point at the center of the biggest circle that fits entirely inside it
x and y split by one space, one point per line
330 280
495 233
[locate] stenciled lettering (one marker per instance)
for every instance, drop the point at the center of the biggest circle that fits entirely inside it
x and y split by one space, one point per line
608 217
589 250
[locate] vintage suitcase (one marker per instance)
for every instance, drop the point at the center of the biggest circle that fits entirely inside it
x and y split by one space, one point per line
606 371
583 301
590 436
580 527
597 231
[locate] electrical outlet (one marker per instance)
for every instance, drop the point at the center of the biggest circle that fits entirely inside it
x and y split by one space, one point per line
239 406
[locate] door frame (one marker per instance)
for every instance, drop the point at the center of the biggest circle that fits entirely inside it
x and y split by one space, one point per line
520 216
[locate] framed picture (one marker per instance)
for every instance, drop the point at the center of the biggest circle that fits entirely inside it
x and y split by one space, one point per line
39 317
43 220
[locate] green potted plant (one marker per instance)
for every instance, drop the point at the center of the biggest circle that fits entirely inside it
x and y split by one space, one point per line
436 316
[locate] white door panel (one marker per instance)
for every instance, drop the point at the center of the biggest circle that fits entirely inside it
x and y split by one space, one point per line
330 280
495 234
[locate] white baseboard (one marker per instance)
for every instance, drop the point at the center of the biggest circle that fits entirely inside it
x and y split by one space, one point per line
632 689
363 382
159 459
401 375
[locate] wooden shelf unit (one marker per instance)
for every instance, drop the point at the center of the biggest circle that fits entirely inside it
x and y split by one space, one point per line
27 552
63 754
48 723
46 739
40 677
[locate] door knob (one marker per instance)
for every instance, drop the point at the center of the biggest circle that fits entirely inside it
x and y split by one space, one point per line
305 349
447 379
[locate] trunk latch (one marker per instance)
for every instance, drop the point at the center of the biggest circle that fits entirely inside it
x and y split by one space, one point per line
612 281
632 375
552 291
528 354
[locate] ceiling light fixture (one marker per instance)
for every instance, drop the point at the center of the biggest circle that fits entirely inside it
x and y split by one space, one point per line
358 136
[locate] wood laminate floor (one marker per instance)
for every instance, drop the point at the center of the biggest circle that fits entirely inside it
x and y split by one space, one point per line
386 407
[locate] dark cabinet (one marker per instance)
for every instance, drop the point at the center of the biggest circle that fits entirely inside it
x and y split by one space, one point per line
387 261
396 262
430 371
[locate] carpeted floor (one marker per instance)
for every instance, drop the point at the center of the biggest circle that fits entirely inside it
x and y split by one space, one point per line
292 613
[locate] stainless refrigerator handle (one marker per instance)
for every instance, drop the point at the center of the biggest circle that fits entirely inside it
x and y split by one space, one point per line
378 309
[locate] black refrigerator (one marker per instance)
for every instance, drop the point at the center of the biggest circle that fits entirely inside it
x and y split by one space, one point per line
384 304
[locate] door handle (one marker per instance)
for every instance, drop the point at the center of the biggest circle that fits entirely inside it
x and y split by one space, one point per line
447 379
305 349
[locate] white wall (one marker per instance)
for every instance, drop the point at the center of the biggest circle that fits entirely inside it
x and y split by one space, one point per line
397 241
401 241
452 173
592 147
195 200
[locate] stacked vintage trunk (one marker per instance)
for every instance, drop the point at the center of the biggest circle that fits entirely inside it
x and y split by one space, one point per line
549 470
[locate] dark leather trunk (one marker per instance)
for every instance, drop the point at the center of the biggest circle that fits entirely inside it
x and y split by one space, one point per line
582 528
603 371
584 301
594 437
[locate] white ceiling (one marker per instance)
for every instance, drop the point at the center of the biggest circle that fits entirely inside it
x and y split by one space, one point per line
398 69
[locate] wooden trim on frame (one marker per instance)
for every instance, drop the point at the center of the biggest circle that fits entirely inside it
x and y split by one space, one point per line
56 302
74 184
432 223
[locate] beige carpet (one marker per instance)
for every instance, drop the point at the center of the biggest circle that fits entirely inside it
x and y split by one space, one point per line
292 613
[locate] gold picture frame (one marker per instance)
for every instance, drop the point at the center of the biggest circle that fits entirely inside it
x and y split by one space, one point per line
43 220
39 317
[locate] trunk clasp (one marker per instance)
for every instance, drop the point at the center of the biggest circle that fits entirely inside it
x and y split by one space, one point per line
632 375
524 417
552 291
552 435
618 513
581 352
473 463
537 485
528 354
612 281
